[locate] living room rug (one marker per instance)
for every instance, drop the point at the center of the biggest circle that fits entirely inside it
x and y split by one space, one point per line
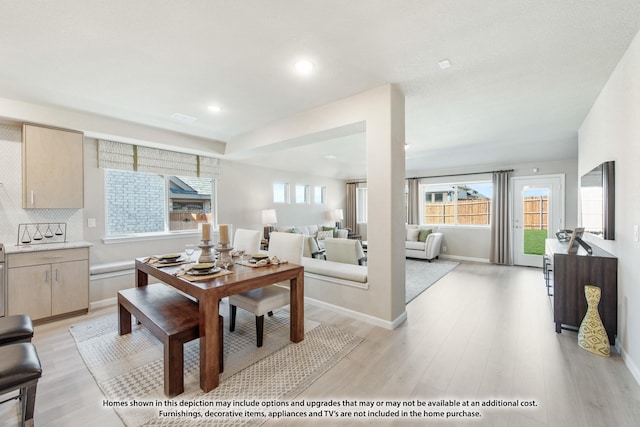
420 275
129 369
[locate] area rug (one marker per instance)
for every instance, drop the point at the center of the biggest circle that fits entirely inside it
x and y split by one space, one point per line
420 275
129 370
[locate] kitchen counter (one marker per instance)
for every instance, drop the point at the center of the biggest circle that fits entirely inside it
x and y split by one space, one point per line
15 249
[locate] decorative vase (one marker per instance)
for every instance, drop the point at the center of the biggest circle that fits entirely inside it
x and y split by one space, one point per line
592 336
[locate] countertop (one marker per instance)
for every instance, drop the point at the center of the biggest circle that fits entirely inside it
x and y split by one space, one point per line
15 249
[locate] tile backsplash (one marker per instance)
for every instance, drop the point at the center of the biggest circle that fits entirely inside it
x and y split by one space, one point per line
11 212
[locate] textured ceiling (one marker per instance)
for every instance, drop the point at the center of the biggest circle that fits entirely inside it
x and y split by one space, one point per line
523 77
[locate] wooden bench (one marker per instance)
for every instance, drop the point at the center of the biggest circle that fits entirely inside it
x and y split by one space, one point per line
172 318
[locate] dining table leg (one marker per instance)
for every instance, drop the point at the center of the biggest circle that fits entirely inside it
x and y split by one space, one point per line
297 307
209 342
142 278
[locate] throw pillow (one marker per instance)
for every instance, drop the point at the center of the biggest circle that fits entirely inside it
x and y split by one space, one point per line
324 234
412 234
422 236
332 229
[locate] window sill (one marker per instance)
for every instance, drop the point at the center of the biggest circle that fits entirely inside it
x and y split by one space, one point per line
151 236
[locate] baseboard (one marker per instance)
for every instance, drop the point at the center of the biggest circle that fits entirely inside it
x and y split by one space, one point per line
464 258
360 316
103 303
627 361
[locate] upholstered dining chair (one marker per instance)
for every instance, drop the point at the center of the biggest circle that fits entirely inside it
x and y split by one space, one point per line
261 301
247 240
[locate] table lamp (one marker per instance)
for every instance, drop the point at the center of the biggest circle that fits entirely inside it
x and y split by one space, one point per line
338 215
268 219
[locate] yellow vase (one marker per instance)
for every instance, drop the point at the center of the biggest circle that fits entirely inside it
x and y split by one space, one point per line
592 336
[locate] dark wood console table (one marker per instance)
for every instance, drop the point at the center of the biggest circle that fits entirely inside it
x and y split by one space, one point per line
571 272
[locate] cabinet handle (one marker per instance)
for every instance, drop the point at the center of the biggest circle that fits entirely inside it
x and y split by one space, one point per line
46 276
32 198
57 279
53 257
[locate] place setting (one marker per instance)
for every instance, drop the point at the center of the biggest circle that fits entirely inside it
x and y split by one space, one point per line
166 260
201 271
260 260
206 267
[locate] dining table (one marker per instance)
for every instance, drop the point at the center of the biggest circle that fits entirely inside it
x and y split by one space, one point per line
209 292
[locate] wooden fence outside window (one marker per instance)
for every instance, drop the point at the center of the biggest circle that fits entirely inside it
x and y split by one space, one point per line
478 212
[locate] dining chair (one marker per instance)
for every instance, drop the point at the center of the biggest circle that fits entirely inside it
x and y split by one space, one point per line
247 240
261 301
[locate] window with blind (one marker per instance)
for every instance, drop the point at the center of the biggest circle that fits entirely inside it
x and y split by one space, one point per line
155 191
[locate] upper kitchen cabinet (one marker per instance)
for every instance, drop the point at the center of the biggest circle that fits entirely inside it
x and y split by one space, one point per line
52 168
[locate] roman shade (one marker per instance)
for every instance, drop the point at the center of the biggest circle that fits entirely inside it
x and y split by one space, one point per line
118 155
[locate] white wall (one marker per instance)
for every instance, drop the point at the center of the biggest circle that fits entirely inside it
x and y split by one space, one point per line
245 190
611 131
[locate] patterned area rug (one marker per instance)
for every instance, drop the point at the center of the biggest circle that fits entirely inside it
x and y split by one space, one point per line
129 369
421 274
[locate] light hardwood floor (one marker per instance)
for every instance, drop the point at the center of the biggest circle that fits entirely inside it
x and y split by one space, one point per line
483 332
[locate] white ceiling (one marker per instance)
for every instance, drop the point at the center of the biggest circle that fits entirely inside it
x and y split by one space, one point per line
523 77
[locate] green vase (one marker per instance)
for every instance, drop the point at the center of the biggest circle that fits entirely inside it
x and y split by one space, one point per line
592 336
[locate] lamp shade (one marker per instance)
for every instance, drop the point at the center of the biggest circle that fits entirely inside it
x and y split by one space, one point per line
269 216
338 215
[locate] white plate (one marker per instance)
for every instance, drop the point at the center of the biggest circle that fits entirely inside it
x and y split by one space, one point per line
203 272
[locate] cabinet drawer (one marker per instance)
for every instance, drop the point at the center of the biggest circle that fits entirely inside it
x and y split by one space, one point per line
47 257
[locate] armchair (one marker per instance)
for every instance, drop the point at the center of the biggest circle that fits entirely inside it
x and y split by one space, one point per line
344 250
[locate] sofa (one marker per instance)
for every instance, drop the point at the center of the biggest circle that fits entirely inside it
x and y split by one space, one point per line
422 241
319 232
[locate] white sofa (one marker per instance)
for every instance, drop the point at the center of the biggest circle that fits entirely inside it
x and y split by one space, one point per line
312 230
416 247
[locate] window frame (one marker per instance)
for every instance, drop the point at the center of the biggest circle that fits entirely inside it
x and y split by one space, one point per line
166 232
320 191
424 188
306 193
286 193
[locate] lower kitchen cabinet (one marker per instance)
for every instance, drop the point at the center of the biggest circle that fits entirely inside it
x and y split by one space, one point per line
48 284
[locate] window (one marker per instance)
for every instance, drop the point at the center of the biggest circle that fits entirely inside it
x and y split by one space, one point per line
138 203
361 205
320 195
457 204
280 192
302 194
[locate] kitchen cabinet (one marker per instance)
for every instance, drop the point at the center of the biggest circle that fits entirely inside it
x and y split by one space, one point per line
52 167
48 284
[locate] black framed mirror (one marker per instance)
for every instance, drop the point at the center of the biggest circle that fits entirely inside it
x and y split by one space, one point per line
597 201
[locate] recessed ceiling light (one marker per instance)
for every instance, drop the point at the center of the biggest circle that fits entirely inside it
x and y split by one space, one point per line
330 157
444 64
183 118
304 67
214 108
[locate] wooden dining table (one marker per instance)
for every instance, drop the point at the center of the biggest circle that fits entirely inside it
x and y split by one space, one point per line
208 294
